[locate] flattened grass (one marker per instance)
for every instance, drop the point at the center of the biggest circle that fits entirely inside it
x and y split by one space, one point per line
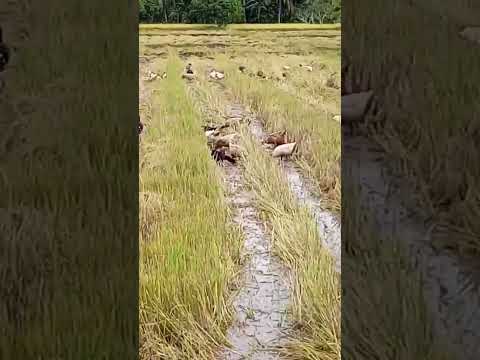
188 249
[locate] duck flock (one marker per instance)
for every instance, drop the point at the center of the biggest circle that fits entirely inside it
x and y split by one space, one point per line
223 143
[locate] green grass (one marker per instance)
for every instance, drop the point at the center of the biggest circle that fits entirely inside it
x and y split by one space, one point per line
188 250
429 132
283 27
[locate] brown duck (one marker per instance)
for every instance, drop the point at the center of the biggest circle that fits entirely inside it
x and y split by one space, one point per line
276 139
224 141
220 156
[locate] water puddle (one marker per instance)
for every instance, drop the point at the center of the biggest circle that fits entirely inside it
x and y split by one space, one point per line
260 325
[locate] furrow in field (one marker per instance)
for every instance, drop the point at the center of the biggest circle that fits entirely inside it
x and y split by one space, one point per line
303 187
260 325
328 226
295 235
456 318
316 133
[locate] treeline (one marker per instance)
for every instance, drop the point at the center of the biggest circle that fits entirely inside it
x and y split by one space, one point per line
240 11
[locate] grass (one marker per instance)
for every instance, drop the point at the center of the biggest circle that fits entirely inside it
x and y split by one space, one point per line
143 28
320 89
188 249
316 305
317 134
385 311
462 12
384 315
239 27
315 130
69 268
196 44
430 133
316 288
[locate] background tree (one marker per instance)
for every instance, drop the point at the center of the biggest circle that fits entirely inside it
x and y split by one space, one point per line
319 11
239 11
216 12
285 7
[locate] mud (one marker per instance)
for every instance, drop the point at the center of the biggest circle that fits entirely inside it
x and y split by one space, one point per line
260 325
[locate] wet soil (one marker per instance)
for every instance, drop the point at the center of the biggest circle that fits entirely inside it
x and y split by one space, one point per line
260 325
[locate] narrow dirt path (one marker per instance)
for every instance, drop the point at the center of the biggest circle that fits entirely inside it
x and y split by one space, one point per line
261 304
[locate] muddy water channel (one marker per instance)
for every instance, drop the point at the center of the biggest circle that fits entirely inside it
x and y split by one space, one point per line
261 304
260 323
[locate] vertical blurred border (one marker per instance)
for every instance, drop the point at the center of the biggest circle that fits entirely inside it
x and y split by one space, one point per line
410 189
69 180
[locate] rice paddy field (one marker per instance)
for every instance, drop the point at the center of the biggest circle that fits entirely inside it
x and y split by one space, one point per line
235 261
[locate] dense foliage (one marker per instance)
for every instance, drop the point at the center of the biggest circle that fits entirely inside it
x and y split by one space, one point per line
240 11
